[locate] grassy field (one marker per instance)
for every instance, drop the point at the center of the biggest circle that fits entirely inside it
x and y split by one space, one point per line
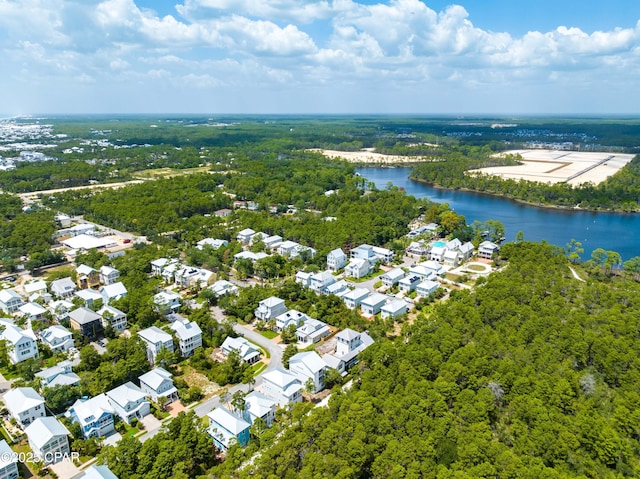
169 172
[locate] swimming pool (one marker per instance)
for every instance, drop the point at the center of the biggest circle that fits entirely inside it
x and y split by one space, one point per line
438 244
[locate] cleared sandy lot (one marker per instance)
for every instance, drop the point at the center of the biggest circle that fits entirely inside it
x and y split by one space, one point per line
552 166
367 155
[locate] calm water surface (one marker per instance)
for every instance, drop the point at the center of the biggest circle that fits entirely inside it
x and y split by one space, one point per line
612 231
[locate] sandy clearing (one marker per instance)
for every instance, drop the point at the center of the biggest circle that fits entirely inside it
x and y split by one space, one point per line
368 156
552 166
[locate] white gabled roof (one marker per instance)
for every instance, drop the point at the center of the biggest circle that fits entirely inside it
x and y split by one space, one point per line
83 269
98 472
43 429
7 456
310 360
114 290
32 309
7 295
271 301
154 335
280 378
258 404
91 409
107 270
22 399
55 331
228 420
35 286
395 306
155 377
63 284
88 295
125 394
374 299
186 330
356 294
13 333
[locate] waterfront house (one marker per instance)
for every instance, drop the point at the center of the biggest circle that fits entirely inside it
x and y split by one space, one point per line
487 249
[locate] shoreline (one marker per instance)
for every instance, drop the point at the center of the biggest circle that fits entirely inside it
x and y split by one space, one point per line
524 202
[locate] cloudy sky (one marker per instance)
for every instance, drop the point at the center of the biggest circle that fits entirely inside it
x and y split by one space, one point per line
319 56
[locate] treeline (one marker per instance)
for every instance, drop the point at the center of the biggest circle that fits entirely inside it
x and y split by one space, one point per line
619 192
532 375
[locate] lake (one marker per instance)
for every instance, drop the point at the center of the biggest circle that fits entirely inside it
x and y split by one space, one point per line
618 232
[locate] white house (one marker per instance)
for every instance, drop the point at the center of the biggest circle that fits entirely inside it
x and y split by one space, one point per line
113 292
353 298
10 301
222 287
392 277
63 288
288 249
250 255
97 472
437 253
427 287
48 439
312 331
128 402
422 271
272 241
339 289
466 251
109 275
248 352
436 268
288 318
226 428
373 304
282 386
158 383
306 366
357 268
212 243
167 302
57 337
8 462
25 405
36 286
95 416
321 280
270 308
245 235
336 260
158 265
487 249
349 344
113 317
260 406
364 251
60 309
452 257
88 297
22 341
189 336
33 311
59 375
155 339
303 278
394 309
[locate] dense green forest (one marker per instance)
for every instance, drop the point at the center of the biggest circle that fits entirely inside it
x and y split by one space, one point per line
619 192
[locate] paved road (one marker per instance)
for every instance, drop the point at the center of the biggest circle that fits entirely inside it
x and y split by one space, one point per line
275 350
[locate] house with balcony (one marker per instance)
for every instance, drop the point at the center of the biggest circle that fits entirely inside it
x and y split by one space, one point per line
487 249
308 366
32 311
260 406
88 297
22 342
87 277
358 268
189 336
113 317
109 275
94 415
62 288
292 317
245 235
226 428
392 277
312 331
87 322
60 309
247 351
48 439
270 308
426 288
59 375
25 405
8 462
319 281
57 337
336 260
158 383
10 301
155 339
113 292
222 287
348 344
167 302
128 402
282 386
339 288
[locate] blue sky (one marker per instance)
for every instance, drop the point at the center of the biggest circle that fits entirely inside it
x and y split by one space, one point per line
319 56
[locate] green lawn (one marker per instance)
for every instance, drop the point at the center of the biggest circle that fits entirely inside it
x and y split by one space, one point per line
267 333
